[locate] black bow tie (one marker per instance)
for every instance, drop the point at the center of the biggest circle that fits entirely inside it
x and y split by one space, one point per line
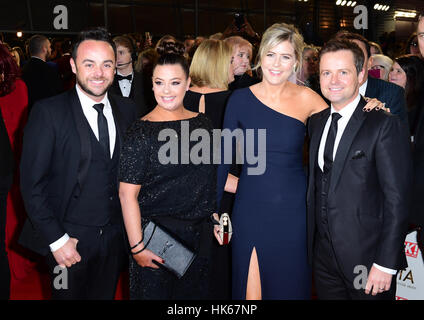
128 77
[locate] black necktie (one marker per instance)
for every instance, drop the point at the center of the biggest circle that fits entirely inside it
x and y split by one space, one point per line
329 144
103 130
128 77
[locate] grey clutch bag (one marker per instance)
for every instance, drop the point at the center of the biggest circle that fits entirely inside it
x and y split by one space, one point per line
177 256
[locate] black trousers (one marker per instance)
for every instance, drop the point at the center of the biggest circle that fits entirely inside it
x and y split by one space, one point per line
95 277
330 282
4 262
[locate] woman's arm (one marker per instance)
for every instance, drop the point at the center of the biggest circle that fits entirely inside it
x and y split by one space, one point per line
128 195
231 183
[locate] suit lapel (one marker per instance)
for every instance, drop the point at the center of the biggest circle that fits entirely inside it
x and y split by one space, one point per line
349 134
83 130
133 85
317 134
317 129
119 125
115 88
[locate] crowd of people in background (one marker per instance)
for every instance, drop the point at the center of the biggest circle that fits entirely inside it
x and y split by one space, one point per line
214 73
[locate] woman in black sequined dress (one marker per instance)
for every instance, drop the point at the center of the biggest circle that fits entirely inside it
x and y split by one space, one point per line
179 196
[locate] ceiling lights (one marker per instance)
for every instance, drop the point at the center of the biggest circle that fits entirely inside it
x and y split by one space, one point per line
347 3
405 14
381 7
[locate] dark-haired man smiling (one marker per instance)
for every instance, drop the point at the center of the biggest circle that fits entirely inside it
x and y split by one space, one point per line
69 174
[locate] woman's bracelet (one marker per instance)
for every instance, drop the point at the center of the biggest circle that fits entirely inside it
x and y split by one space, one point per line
134 253
138 243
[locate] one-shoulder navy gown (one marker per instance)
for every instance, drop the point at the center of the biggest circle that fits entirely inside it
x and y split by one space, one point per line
269 212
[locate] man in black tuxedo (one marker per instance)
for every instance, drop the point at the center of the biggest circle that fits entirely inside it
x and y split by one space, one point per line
6 173
389 93
128 82
69 175
417 208
359 184
42 80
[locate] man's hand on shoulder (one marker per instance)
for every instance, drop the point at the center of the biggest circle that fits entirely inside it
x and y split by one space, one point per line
67 255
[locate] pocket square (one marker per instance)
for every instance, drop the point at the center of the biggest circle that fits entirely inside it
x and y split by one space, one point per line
358 154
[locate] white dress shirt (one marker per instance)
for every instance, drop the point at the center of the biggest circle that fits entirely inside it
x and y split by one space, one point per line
91 115
125 84
363 88
346 114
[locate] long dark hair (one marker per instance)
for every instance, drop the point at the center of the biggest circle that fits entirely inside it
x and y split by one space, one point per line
172 53
414 69
9 71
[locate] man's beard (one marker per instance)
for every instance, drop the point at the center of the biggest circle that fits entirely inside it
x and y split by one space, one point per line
87 90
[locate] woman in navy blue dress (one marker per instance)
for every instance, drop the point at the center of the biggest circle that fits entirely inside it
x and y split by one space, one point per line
269 252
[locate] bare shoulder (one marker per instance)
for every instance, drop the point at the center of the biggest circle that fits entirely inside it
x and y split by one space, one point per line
312 101
255 89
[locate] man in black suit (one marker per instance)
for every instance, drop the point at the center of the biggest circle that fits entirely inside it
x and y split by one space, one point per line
389 93
359 183
6 172
417 208
69 175
128 82
42 80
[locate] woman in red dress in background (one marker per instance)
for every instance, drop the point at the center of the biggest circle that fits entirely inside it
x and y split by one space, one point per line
13 106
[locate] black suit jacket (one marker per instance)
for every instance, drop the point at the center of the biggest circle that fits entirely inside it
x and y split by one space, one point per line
6 158
369 193
55 159
417 209
389 93
42 80
136 93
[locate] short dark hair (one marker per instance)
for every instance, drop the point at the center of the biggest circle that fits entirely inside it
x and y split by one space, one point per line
36 43
98 34
354 36
343 44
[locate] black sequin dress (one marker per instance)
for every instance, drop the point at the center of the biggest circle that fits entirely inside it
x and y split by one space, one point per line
179 195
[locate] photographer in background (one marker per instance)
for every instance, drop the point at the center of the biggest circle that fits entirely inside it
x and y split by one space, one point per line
241 27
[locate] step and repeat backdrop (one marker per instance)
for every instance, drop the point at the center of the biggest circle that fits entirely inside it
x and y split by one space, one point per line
410 282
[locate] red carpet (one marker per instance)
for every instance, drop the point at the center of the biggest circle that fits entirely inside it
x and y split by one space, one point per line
36 286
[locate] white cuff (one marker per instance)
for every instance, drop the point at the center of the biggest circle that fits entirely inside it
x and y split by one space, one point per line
386 270
59 243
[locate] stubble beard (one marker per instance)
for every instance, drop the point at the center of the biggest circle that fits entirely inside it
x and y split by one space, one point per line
88 91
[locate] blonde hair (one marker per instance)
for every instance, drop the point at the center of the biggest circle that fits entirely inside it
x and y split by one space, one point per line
276 34
384 61
210 64
237 42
